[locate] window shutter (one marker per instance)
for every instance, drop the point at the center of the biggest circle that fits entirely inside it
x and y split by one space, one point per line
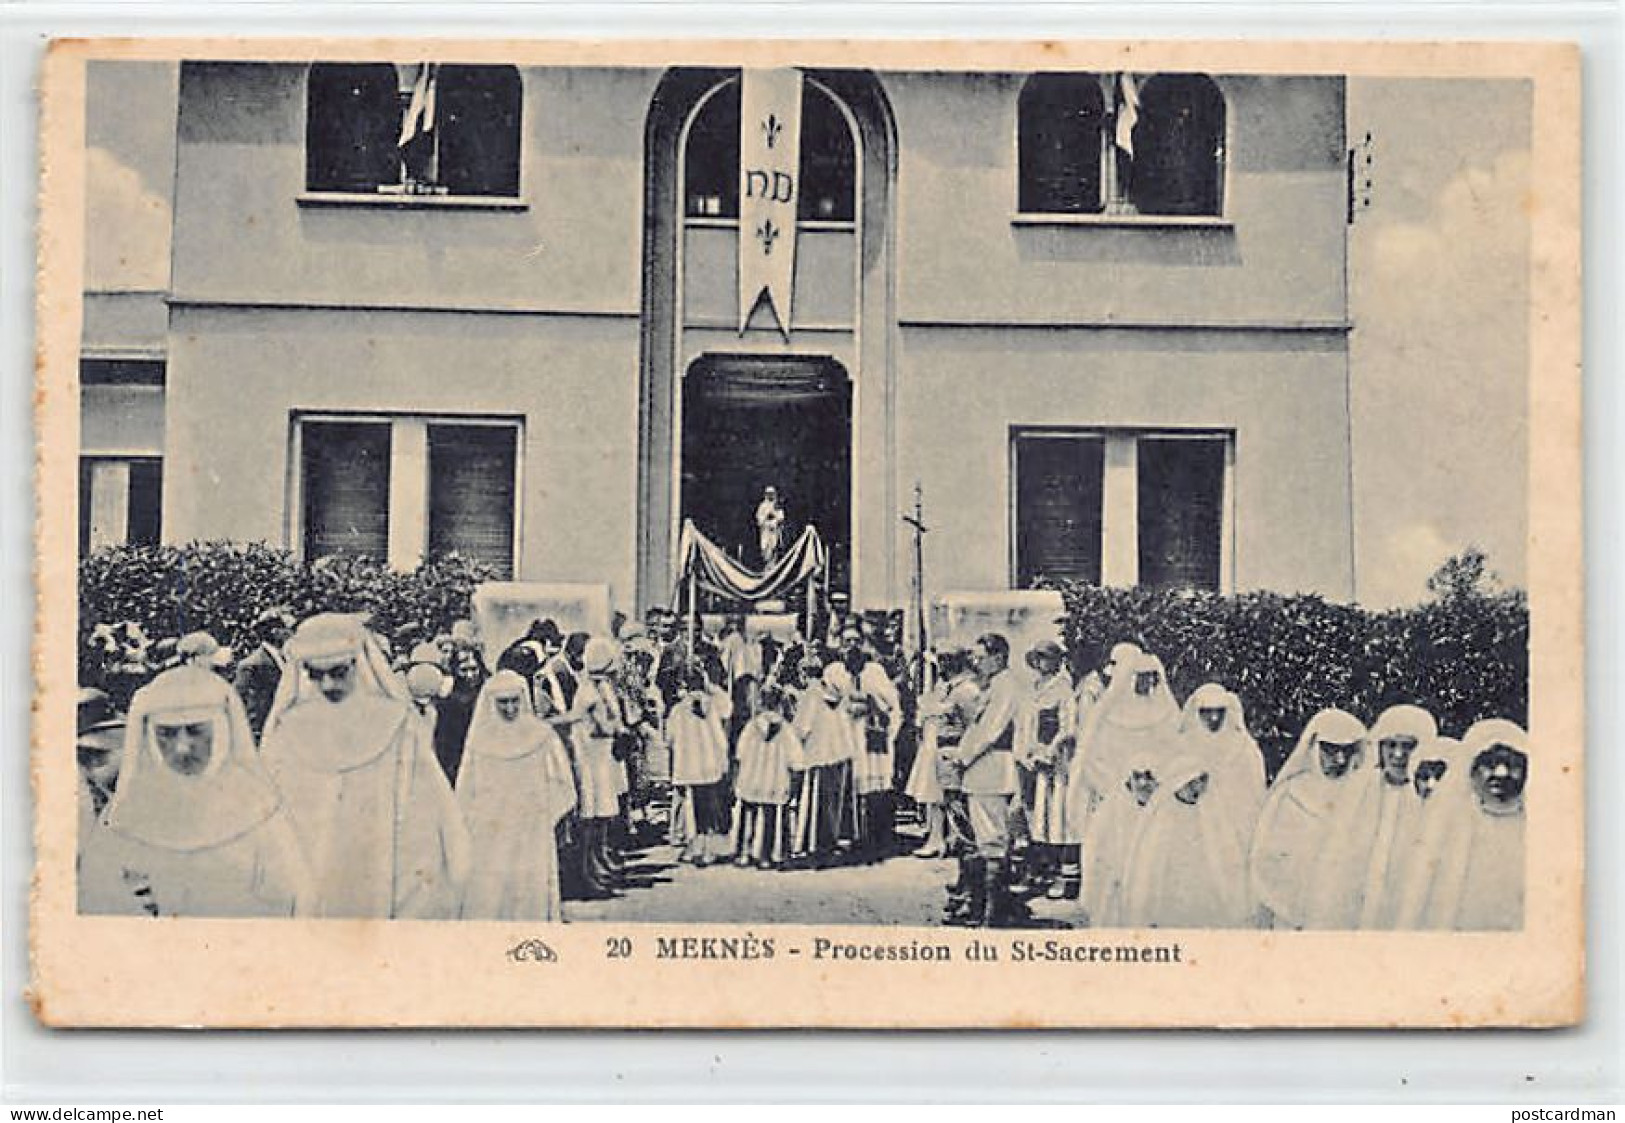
478 118
1058 507
1059 123
346 488
352 126
1181 496
471 493
146 501
87 471
1177 146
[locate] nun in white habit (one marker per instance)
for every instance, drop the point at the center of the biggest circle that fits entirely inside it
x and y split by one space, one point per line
1189 867
196 827
514 784
375 817
1296 819
1125 754
1471 876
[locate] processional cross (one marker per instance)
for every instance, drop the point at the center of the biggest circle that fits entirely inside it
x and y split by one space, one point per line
916 521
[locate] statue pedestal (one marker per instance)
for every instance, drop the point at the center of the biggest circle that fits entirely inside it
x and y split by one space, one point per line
781 625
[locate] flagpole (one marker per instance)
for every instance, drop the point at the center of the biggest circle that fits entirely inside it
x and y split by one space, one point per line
432 98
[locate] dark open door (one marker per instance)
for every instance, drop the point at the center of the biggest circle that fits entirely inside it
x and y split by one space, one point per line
750 422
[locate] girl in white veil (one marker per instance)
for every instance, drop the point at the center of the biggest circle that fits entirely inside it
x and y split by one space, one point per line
1127 746
1297 813
514 784
1084 783
1471 876
1189 867
1376 836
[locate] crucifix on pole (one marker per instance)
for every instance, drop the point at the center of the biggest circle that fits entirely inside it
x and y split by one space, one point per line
916 520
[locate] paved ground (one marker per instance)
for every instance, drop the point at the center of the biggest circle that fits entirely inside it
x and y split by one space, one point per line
902 890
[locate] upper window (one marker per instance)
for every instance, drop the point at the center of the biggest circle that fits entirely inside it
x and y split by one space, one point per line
1121 144
424 129
828 158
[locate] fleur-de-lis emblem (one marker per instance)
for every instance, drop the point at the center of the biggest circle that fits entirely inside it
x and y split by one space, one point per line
771 128
767 233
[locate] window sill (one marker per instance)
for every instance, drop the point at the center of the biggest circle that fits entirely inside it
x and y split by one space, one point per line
411 202
1152 221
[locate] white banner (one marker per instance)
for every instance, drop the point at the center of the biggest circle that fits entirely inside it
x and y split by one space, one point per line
769 170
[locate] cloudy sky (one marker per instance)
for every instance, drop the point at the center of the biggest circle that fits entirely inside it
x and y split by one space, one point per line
1439 268
130 174
1438 287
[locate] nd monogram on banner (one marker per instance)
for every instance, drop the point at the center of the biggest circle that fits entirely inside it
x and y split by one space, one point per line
769 166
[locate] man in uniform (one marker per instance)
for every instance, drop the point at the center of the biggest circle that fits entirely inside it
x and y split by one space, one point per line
989 778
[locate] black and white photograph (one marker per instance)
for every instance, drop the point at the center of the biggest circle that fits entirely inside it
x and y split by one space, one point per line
1087 506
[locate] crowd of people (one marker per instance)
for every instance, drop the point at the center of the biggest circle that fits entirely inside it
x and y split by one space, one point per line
325 775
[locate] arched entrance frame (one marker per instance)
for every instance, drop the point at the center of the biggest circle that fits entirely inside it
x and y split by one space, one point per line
867 352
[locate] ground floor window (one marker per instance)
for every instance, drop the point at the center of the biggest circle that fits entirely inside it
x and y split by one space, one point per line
397 488
1121 507
1058 507
120 501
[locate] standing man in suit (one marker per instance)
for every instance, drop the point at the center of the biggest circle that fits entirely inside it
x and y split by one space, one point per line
261 670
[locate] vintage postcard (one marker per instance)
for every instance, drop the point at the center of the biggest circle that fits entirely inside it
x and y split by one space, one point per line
845 534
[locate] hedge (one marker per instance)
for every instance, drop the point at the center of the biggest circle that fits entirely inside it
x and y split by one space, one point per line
1463 654
221 587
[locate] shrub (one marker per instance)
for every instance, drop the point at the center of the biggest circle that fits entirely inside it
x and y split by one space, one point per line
1464 654
221 587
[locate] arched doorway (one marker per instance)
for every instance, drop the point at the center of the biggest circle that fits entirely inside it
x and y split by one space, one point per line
722 410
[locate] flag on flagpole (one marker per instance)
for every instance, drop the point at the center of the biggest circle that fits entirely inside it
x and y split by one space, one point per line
420 110
1128 112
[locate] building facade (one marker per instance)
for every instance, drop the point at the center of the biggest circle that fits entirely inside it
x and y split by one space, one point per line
1100 320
